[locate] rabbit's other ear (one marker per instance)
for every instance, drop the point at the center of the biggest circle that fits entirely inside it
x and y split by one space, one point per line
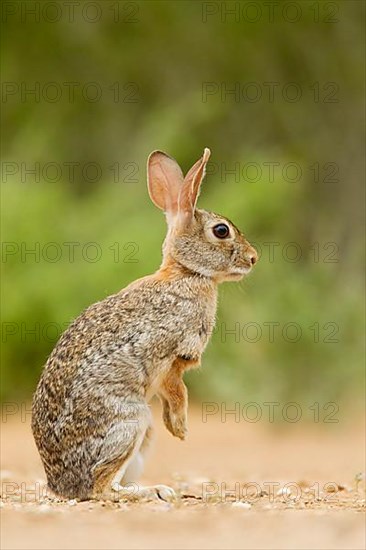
164 181
192 183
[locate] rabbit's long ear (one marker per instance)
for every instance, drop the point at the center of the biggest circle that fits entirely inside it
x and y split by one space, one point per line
165 181
192 183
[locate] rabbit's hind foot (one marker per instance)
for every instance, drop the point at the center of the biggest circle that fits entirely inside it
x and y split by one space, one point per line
134 491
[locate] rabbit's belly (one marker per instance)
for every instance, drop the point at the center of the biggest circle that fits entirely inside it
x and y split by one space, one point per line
156 381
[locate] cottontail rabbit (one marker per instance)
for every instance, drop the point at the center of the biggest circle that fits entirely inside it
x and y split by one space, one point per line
91 420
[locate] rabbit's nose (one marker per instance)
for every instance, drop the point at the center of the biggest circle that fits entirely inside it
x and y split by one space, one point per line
252 256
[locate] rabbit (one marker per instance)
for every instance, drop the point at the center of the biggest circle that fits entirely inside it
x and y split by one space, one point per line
90 415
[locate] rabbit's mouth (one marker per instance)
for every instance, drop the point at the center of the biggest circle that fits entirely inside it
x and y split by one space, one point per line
235 274
238 273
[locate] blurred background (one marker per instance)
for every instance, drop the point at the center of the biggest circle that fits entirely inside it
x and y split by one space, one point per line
276 92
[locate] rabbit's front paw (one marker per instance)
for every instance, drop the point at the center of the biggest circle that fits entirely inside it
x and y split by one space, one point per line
178 425
166 418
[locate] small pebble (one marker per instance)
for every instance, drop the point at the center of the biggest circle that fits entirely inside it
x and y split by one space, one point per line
6 474
43 509
285 491
243 505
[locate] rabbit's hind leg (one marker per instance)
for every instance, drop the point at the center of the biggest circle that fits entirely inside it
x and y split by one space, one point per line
120 444
135 467
126 478
120 457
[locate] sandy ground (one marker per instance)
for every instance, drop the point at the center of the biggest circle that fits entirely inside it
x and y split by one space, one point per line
239 485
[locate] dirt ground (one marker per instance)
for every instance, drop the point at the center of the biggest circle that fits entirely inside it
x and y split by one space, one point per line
239 485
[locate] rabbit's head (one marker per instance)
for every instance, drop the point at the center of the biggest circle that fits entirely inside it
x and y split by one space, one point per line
202 242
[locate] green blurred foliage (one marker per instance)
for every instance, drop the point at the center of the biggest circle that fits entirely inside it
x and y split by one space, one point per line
168 54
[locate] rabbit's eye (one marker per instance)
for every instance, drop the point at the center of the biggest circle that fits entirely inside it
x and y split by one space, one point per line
221 231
